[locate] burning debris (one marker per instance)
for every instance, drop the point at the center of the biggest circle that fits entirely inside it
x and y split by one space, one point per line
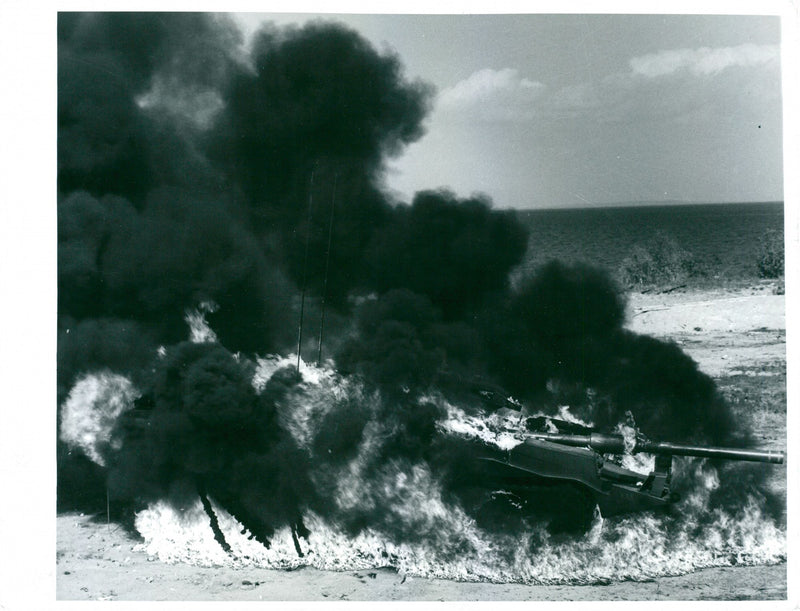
198 182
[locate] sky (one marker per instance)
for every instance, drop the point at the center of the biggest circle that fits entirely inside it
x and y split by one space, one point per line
542 111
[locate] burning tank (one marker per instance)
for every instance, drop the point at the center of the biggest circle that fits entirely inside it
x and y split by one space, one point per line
564 472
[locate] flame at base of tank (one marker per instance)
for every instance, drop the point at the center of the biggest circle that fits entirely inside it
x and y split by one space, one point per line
451 544
634 548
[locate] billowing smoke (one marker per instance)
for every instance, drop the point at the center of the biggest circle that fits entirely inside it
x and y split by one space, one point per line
402 344
561 335
474 249
556 339
304 133
149 266
204 429
194 172
122 128
165 203
235 188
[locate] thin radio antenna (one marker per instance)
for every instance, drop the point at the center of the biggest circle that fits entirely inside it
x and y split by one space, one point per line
305 269
327 267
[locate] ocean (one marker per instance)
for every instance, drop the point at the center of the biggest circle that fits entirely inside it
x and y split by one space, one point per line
724 237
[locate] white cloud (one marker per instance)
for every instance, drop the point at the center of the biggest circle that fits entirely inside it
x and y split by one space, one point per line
492 95
705 60
644 92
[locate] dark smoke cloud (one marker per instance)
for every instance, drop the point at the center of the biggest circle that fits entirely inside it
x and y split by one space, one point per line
179 252
326 252
158 205
455 252
666 392
393 347
145 231
310 124
108 142
185 170
205 430
194 47
564 326
182 251
437 263
320 94
124 346
84 228
558 323
402 345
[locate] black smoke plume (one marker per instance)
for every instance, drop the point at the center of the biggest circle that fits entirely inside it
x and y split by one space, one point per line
306 126
151 266
403 345
121 79
204 429
455 252
146 231
193 174
437 264
320 94
561 336
186 167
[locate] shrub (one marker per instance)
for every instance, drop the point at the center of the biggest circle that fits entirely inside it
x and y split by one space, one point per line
659 261
770 254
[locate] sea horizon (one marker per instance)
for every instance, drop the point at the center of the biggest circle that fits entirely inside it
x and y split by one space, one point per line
646 204
725 237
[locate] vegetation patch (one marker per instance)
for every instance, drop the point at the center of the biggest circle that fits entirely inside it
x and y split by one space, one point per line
660 261
770 254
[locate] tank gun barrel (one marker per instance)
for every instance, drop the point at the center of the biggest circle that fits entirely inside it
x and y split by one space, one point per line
615 444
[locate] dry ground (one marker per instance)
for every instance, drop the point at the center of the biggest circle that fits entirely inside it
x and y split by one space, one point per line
737 336
95 562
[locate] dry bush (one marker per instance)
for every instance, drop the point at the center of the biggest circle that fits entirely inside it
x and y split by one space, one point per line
770 254
659 261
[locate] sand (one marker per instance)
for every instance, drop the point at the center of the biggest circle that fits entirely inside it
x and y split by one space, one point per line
722 330
728 332
95 562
